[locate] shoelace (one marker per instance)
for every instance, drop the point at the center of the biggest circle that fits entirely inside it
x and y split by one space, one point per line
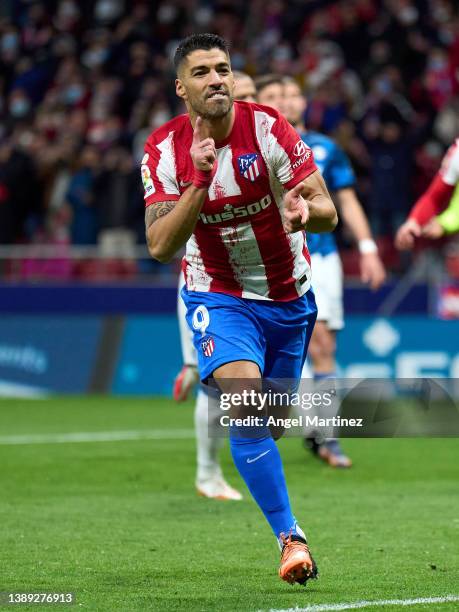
293 544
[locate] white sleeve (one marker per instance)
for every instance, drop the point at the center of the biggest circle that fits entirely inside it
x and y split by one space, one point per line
450 166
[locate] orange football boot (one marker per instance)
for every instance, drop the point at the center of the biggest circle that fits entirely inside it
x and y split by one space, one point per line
297 564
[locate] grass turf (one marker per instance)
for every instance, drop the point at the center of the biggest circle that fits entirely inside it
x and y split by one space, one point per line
119 524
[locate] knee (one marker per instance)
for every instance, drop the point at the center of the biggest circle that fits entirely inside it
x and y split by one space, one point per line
323 343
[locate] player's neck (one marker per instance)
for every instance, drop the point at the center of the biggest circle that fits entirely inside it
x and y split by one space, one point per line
218 129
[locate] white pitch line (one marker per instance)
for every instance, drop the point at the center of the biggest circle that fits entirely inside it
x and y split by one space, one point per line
98 436
369 604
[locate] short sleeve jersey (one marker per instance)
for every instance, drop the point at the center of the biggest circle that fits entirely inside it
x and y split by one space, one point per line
239 245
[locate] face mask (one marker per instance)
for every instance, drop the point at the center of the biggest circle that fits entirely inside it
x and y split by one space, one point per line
159 118
408 15
437 64
19 107
384 86
73 94
9 42
95 57
108 9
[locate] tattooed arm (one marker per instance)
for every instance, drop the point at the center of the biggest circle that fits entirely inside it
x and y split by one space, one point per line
168 225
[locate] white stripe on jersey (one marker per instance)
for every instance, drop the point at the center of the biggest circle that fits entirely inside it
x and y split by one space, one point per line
166 166
246 260
224 183
274 154
197 279
450 165
301 266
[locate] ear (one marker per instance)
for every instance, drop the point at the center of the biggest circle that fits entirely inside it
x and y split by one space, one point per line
180 89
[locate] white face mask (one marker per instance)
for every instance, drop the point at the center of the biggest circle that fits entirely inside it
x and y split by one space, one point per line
408 15
159 118
107 10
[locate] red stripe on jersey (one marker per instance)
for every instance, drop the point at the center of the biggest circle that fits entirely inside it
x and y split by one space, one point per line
216 260
277 256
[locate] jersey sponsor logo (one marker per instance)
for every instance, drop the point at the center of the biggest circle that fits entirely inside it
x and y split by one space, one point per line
208 346
185 183
300 149
238 212
303 152
301 160
248 166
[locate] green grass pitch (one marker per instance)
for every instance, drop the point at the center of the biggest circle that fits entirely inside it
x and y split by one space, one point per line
119 524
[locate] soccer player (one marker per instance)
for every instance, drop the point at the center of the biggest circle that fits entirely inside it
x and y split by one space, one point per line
210 481
446 223
226 179
270 91
433 201
244 87
326 264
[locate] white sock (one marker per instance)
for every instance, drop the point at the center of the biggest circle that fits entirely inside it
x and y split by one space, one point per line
208 436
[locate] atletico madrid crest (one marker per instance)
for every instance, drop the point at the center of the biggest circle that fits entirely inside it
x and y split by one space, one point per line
248 166
208 346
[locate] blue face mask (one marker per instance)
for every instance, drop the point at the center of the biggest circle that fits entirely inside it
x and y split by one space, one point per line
384 86
96 57
437 64
9 42
73 94
19 107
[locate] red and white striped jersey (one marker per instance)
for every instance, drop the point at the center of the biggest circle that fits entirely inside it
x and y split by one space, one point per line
239 245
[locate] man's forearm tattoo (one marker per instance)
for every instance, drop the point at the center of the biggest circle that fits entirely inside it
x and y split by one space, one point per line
155 211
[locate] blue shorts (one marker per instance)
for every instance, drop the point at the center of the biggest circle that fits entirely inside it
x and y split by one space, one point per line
274 335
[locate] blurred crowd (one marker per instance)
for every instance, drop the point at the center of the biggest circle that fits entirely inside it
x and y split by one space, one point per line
82 83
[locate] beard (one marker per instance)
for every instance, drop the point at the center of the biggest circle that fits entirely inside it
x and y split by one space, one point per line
209 108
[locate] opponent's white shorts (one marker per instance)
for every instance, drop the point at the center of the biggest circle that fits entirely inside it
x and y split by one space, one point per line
186 335
327 284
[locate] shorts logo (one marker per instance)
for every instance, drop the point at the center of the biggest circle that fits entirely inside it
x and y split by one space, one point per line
208 347
248 166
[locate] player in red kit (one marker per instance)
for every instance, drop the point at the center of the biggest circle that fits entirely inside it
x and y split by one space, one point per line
433 201
235 183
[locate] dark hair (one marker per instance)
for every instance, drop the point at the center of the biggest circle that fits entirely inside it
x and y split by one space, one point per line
196 42
267 79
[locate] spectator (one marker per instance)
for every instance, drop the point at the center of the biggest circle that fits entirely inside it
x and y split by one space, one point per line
95 77
80 198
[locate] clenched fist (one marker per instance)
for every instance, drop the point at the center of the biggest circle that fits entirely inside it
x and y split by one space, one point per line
407 234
